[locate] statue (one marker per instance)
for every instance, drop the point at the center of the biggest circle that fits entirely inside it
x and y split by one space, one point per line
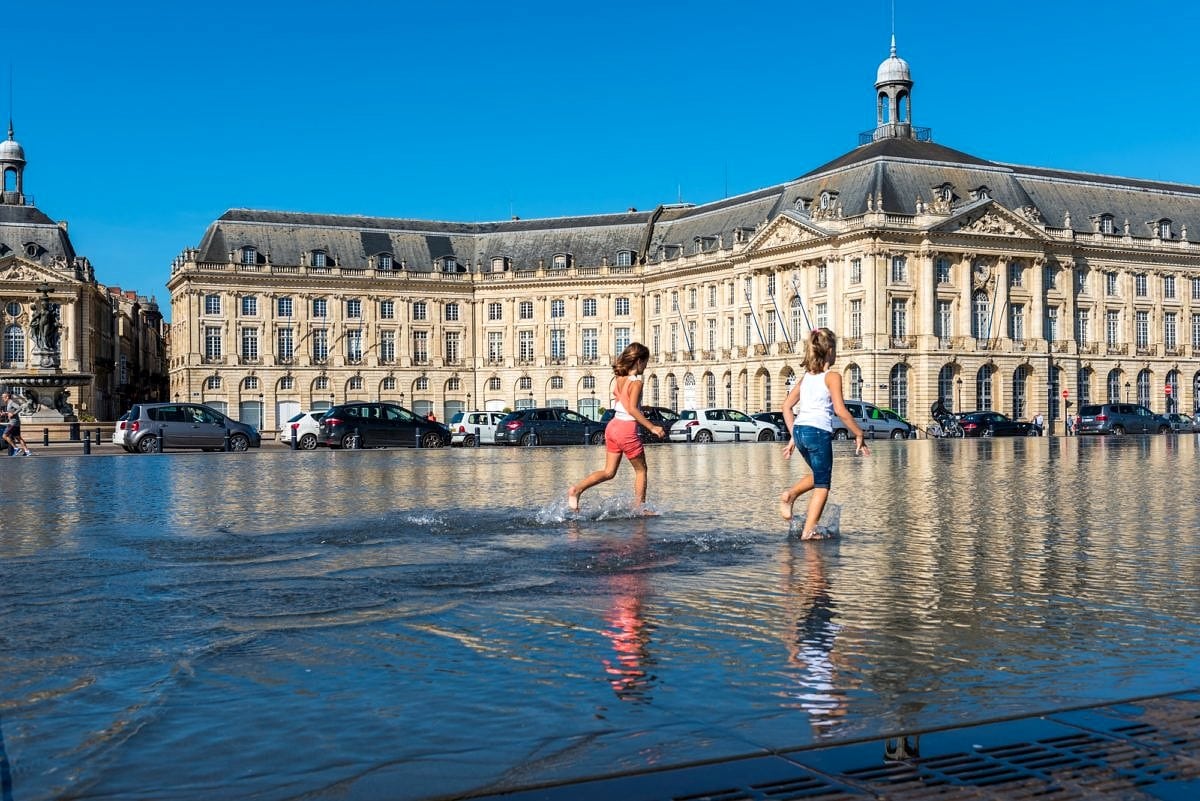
45 324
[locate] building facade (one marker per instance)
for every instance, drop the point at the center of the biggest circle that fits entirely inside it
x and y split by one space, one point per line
114 335
989 285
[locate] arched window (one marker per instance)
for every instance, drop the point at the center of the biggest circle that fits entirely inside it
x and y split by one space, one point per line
14 345
1114 386
946 386
653 387
1020 403
672 392
212 382
898 389
983 388
768 400
979 315
885 108
855 381
798 331
689 392
1083 387
1143 388
710 389
1173 394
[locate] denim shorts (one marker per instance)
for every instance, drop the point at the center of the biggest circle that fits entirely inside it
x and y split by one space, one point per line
816 446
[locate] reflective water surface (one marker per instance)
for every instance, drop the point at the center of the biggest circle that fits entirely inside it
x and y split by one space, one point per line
419 624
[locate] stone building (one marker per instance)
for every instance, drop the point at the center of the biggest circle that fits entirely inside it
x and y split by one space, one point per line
987 284
116 337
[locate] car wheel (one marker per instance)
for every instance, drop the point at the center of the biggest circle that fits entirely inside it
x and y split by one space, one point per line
528 438
703 436
766 436
432 439
1164 429
841 433
348 441
147 444
897 434
307 443
1118 430
987 432
239 443
597 438
469 441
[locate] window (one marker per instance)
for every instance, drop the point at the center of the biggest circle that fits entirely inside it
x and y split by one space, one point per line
692 292
525 310
420 352
387 310
856 271
421 384
318 258
983 388
1196 289
624 258
286 346
655 339
1052 323
710 334
621 307
355 383
589 307
320 308
822 315
1112 327
558 344
212 342
822 276
420 310
747 340
770 327
729 293
797 311
495 346
1081 326
495 311
1083 386
1110 284
493 384
899 269
941 268
250 344
322 382
1019 383
1169 287
712 296
1016 274
354 308
674 301
387 347
899 318
354 346
770 287
558 309
1170 333
287 382
855 381
212 304
1164 229
1114 386
1050 277
856 328
622 337
1106 223
1196 330
388 385
320 345
1141 329
980 326
525 346
556 382
658 304
249 306
1016 322
283 307
1139 285
1081 280
386 263
500 264
561 261
449 264
249 255
452 312
14 344
591 343
898 389
943 321
212 382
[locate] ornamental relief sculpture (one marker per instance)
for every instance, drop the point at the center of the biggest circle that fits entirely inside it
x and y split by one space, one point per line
989 223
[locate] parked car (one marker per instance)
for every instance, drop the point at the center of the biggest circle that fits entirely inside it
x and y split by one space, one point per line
307 426
118 434
994 424
655 414
720 425
1181 423
775 419
465 425
876 423
550 425
182 425
379 425
1120 418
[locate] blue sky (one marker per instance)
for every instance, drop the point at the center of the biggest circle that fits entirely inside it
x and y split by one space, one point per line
143 122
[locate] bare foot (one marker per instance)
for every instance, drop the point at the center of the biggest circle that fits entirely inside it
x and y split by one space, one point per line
810 535
644 512
785 507
572 499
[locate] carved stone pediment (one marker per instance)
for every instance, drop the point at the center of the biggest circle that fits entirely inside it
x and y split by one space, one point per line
989 218
14 269
785 230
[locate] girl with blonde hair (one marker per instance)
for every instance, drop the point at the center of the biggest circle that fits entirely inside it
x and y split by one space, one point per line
621 436
808 412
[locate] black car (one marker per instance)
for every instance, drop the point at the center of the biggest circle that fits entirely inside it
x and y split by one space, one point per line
775 418
994 424
550 425
655 414
379 425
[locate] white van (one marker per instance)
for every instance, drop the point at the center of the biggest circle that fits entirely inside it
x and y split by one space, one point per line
465 425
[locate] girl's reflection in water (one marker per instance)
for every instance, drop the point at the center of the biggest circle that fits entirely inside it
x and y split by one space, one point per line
811 634
625 560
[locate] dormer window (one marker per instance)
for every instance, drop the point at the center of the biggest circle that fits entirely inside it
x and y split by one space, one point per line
319 259
800 204
742 235
828 199
670 252
33 250
705 243
624 258
386 262
561 261
944 193
1164 229
449 264
501 264
1106 224
249 255
981 193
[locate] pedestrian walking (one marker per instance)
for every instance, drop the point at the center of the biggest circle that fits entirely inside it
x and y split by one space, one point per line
808 412
621 435
10 408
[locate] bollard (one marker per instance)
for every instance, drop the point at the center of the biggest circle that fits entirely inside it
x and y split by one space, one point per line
587 435
96 438
737 433
688 429
74 432
357 440
161 438
87 443
294 437
227 449
45 437
476 436
532 438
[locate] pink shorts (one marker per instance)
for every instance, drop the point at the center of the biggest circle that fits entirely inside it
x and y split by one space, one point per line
621 437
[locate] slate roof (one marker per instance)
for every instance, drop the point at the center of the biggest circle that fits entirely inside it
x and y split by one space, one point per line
24 225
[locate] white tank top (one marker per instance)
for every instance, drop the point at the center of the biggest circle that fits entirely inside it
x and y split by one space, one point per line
620 412
815 407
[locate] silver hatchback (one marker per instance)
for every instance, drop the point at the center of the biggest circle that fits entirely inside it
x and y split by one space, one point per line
182 425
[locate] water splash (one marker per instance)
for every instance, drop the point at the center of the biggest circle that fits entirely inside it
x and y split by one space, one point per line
828 527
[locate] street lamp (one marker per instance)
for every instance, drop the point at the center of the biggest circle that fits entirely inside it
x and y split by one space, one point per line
531 399
958 404
1127 392
468 401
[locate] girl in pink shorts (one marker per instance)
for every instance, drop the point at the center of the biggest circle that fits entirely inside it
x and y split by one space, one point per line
621 437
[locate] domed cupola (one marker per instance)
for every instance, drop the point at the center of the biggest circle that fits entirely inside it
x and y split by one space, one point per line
12 169
893 98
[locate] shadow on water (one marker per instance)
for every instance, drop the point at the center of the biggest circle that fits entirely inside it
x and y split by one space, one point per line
425 623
